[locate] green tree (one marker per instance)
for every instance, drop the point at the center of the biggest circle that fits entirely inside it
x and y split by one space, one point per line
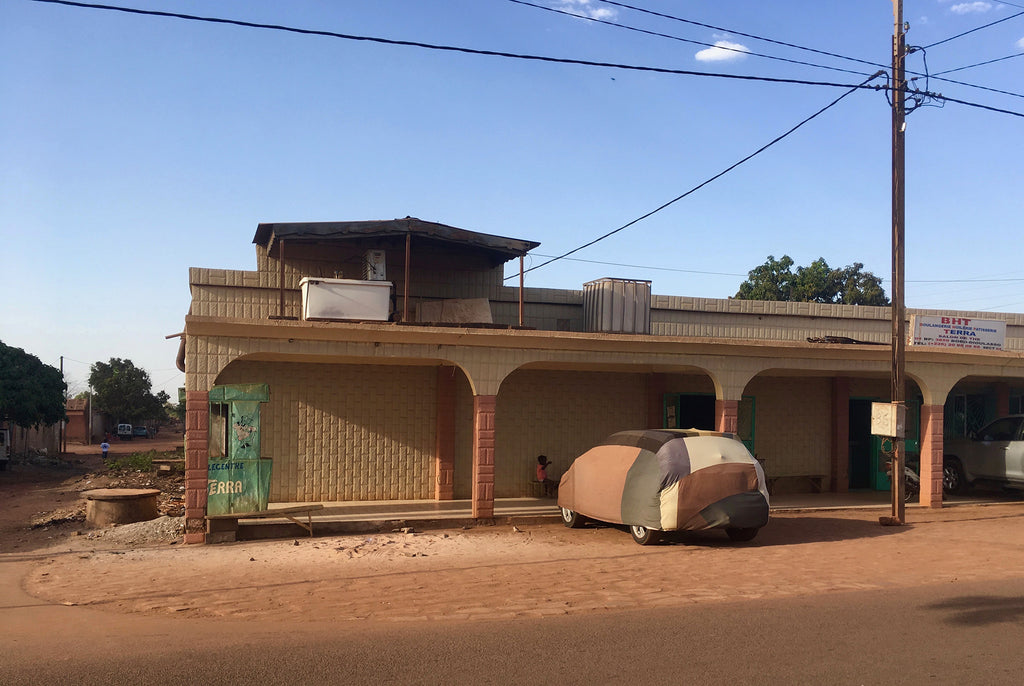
124 391
773 280
817 282
31 393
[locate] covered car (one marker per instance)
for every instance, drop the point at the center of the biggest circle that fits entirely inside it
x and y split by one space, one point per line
667 480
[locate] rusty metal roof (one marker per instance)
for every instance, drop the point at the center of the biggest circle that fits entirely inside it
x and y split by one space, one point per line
506 248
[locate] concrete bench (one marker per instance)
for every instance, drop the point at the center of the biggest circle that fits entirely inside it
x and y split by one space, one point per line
108 506
223 528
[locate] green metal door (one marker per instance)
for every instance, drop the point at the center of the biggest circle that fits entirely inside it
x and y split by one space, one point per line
238 478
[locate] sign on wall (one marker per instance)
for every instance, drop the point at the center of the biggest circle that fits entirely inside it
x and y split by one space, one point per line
958 332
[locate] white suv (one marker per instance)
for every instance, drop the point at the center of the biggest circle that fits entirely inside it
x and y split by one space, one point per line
993 454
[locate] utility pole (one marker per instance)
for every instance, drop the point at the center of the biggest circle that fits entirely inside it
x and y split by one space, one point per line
899 326
61 446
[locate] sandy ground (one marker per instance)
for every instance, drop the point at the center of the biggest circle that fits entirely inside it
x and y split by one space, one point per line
485 572
535 570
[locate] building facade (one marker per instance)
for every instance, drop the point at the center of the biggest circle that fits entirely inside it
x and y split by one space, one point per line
445 383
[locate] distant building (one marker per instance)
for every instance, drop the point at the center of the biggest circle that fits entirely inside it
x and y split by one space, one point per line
389 360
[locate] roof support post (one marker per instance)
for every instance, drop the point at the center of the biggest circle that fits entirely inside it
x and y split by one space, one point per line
405 286
520 290
280 278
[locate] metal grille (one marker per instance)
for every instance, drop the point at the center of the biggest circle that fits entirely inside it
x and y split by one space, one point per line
966 413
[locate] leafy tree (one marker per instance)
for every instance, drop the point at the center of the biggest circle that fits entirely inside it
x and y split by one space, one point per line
124 391
817 282
31 393
773 280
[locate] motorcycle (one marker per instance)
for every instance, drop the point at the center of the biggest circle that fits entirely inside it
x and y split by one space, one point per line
912 482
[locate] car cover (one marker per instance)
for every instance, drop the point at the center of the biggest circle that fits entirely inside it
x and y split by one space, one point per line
668 479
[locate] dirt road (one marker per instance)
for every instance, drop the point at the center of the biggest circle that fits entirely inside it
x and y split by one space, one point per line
494 572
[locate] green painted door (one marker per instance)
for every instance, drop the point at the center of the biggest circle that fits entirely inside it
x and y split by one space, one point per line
238 477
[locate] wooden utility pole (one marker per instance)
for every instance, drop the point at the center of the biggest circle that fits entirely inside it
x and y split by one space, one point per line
899 326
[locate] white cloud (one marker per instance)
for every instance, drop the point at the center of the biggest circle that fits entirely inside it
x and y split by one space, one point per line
583 8
1020 44
722 52
970 7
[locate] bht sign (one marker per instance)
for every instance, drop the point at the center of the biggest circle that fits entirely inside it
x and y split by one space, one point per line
958 332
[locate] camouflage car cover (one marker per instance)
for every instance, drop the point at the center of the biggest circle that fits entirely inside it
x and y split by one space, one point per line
668 479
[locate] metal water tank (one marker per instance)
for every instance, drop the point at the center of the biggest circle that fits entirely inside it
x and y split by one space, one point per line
617 306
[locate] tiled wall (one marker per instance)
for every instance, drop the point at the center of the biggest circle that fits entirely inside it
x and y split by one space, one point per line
559 414
793 420
345 432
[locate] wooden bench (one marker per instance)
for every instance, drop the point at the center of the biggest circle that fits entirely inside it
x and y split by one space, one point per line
223 528
816 481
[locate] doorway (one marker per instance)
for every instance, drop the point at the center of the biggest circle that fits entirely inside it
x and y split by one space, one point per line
861 444
690 411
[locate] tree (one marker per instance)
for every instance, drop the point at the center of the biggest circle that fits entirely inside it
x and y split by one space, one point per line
817 283
124 391
31 393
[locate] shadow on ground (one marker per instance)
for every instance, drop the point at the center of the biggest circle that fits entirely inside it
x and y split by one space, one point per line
790 530
981 610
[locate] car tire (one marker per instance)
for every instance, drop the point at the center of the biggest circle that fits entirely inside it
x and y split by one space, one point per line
643 535
954 482
571 518
737 533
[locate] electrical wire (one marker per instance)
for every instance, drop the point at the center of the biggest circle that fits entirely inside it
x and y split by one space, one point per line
685 40
642 266
448 48
494 53
979 64
740 33
709 180
756 37
978 28
805 48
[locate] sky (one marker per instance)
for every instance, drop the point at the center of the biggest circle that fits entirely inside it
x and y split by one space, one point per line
134 147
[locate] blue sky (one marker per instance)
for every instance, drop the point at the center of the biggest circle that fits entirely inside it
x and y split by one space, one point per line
133 147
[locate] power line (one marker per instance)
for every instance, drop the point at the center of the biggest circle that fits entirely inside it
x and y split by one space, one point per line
685 40
648 267
450 48
494 53
978 28
642 266
979 64
800 47
706 182
740 33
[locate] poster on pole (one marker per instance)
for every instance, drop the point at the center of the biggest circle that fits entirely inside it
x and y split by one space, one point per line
958 332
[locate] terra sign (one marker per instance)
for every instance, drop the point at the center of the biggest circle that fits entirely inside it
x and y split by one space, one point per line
958 332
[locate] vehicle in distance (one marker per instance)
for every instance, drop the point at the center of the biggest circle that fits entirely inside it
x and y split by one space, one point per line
994 454
140 432
124 432
658 480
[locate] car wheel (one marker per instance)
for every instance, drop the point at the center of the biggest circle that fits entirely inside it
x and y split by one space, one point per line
571 518
736 533
643 535
953 480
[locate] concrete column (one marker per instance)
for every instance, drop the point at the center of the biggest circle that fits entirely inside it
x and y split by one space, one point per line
657 385
932 418
727 415
444 450
483 455
839 442
197 456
